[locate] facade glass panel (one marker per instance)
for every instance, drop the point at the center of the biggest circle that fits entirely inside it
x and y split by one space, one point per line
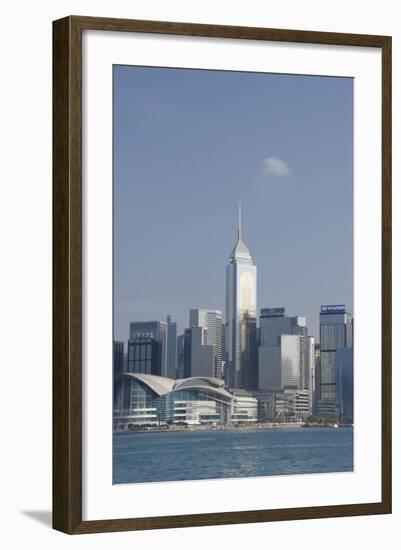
241 338
211 320
336 332
118 357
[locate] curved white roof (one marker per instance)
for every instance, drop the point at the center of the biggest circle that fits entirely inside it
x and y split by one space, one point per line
161 385
206 383
203 387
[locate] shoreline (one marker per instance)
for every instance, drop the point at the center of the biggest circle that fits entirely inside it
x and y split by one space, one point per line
197 428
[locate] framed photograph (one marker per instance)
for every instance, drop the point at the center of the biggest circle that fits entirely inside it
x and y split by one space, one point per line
222 275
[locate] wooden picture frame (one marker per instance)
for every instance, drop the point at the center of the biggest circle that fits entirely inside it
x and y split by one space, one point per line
67 273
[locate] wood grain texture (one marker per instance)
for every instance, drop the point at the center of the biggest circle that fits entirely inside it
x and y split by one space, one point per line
67 273
226 31
67 277
386 275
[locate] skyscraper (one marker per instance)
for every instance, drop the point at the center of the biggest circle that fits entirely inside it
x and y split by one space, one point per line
171 348
345 384
336 331
297 360
315 380
210 319
274 322
198 355
152 329
144 355
280 356
118 357
241 348
180 356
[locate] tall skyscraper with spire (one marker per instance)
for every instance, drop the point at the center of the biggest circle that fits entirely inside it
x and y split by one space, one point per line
241 346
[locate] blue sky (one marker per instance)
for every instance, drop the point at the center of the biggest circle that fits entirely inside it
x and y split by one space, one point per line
189 145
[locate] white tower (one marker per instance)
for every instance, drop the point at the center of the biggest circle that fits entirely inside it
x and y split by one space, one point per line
241 350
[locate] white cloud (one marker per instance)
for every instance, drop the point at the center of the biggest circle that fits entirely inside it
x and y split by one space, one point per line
276 166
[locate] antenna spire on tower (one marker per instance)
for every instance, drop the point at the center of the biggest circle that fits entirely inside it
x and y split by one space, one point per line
239 222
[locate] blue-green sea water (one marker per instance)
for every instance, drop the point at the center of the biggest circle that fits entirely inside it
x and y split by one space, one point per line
191 455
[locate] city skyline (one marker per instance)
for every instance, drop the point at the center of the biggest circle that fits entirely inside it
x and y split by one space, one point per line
285 194
224 313
244 251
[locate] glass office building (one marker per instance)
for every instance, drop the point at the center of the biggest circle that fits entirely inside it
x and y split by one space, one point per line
241 335
180 356
274 322
335 332
171 348
118 357
198 355
144 356
286 352
297 360
345 384
152 329
212 321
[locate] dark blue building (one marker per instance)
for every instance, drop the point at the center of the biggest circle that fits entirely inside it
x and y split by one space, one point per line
345 384
145 356
118 357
